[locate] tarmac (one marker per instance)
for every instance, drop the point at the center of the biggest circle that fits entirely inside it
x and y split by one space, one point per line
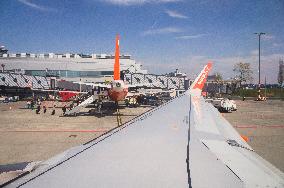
263 123
26 136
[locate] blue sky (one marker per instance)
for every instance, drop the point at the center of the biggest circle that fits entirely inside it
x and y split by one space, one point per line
160 34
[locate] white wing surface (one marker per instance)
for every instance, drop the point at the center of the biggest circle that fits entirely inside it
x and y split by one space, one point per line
183 143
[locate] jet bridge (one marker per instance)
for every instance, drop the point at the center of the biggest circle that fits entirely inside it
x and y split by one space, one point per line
157 81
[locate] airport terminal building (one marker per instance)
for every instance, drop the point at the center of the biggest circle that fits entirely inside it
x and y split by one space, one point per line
38 69
70 67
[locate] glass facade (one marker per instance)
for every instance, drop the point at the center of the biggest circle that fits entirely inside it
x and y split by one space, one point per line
68 74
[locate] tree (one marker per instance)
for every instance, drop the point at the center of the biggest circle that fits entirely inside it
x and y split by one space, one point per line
243 72
218 77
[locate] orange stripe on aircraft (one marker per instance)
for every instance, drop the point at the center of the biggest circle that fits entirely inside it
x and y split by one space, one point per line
116 73
202 79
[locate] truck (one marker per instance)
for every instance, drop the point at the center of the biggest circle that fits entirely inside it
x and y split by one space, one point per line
223 105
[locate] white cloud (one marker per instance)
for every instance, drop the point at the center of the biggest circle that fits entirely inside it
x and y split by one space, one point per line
224 65
254 52
35 6
137 2
276 44
192 65
175 14
165 30
269 65
188 37
268 37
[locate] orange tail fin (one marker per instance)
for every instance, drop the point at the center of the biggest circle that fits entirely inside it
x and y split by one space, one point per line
116 72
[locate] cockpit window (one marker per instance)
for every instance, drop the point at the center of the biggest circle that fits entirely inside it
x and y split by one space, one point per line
118 84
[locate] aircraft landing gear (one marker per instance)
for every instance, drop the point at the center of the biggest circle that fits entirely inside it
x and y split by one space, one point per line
118 115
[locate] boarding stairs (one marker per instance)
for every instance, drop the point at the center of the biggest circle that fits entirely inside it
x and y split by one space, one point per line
88 100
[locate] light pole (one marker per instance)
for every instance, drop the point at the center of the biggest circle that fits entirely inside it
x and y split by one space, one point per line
259 35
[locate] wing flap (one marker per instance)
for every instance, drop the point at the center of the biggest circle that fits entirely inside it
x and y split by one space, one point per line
249 170
205 168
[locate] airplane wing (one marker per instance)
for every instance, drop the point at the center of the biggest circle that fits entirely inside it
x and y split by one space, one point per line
182 143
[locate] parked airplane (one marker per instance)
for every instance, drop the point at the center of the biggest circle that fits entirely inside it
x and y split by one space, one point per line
119 89
116 90
182 143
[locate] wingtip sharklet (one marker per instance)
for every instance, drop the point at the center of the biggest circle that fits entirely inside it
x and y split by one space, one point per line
199 82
